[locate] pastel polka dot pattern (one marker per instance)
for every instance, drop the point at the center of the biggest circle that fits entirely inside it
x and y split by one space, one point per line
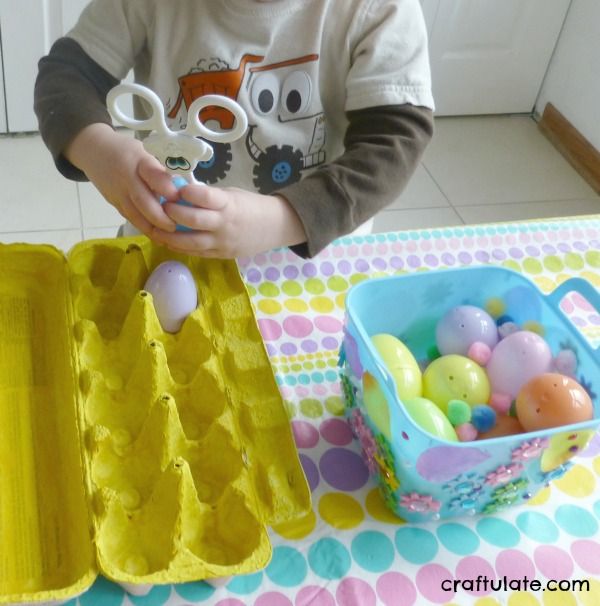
586 554
329 559
514 564
351 550
540 498
314 596
245 584
310 471
537 526
396 589
416 545
305 434
430 582
472 568
340 510
157 596
553 562
355 592
378 510
336 432
373 551
522 598
593 596
579 481
343 469
562 598
497 532
539 254
231 602
197 591
273 598
298 528
576 521
457 538
287 567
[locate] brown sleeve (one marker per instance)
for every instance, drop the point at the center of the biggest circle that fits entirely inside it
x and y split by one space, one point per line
383 146
70 93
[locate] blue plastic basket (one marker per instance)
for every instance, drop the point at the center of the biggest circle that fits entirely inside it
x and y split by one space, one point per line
420 476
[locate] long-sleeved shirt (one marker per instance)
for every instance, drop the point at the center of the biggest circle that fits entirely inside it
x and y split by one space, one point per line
348 127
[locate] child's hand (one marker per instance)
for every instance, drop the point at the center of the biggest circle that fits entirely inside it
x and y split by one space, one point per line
125 174
230 223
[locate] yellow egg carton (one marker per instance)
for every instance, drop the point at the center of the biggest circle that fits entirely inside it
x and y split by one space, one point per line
146 456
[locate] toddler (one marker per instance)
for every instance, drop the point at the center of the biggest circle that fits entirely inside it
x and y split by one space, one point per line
337 94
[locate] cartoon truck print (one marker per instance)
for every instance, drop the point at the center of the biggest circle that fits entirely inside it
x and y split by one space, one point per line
226 82
280 87
287 89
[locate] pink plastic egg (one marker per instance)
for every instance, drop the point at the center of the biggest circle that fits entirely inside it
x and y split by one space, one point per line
552 400
174 294
517 359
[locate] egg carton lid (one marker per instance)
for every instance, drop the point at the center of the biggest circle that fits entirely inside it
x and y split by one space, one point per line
46 481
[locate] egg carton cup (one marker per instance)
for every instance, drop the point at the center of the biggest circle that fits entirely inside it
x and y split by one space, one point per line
422 477
146 456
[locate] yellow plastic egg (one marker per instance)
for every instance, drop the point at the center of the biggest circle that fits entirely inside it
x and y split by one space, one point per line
401 364
376 405
455 377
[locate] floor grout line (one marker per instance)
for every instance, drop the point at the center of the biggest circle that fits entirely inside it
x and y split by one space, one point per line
439 187
81 225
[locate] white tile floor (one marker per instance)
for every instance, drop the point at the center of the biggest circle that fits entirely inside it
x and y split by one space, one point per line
476 170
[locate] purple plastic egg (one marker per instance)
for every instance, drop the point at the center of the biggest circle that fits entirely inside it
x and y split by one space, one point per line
516 359
174 294
462 326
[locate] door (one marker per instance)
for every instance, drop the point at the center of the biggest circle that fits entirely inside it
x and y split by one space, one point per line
490 56
3 127
28 29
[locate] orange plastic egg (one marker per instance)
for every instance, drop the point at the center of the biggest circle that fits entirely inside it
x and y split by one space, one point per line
552 400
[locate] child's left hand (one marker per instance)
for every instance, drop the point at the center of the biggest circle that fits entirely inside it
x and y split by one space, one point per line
230 222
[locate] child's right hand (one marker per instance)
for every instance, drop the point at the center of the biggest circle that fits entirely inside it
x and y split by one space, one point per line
128 177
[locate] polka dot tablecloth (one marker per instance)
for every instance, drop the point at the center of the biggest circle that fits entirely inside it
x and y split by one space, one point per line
351 550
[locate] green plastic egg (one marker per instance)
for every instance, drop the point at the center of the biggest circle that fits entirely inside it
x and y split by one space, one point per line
430 418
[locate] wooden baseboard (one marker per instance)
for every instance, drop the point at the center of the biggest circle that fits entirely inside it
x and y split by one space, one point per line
580 153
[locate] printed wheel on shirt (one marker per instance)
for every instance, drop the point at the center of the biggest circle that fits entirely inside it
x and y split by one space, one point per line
277 167
217 167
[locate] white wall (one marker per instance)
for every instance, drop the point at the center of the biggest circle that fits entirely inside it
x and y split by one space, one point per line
572 83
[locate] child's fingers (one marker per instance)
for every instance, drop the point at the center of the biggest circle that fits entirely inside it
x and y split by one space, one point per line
133 215
194 217
146 203
205 253
158 180
211 198
198 243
